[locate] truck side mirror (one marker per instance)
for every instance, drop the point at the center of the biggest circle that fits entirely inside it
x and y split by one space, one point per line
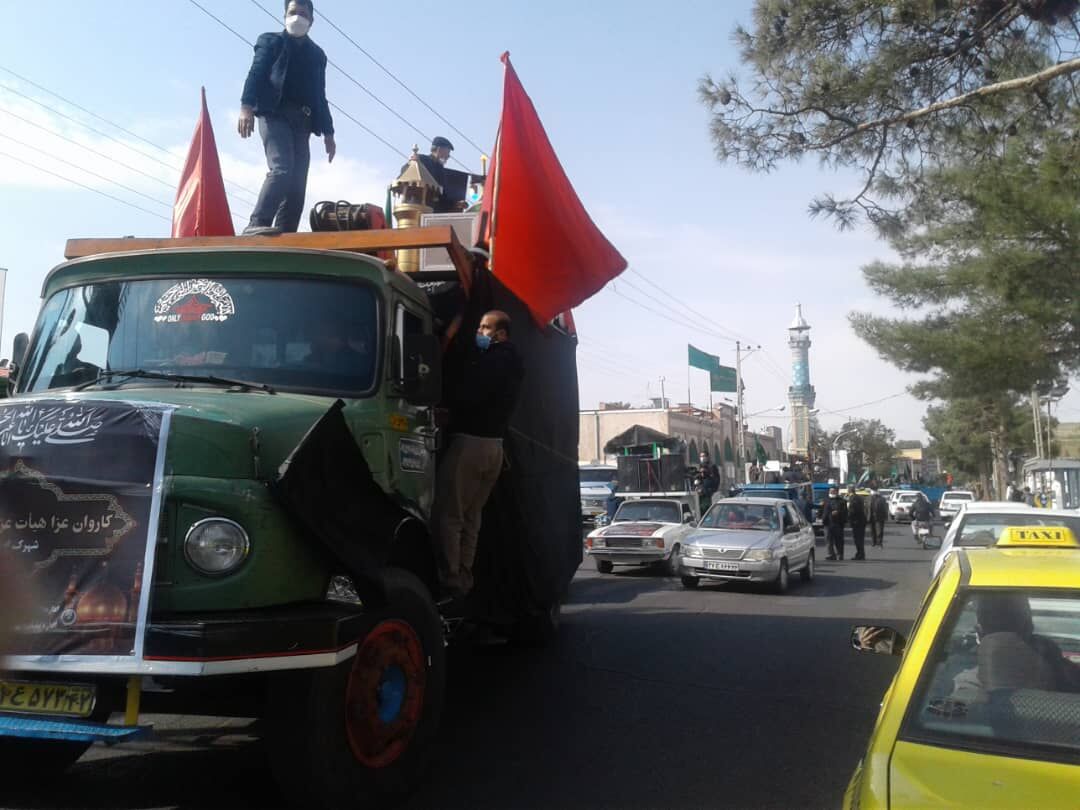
22 341
422 374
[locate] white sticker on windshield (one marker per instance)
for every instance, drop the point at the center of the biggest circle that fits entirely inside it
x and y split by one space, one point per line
198 299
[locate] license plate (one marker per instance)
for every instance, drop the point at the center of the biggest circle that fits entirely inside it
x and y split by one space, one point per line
66 699
721 566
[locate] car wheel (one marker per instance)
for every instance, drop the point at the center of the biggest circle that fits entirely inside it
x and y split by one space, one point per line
674 564
780 584
605 566
360 734
807 572
690 583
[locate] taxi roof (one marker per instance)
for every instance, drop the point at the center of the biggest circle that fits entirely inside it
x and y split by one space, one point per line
1021 567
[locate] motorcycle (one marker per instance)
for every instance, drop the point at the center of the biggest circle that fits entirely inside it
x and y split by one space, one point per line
923 533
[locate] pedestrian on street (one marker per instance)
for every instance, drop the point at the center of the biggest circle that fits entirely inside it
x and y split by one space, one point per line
879 514
286 91
857 516
1029 498
480 410
834 516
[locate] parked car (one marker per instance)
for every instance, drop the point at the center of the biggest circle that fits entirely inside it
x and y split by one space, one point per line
981 523
749 540
984 708
951 501
644 531
902 504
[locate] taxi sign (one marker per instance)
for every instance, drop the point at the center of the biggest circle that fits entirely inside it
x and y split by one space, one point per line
1039 536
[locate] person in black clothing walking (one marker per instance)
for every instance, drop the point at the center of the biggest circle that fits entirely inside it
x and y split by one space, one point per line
857 517
879 513
286 90
834 516
480 411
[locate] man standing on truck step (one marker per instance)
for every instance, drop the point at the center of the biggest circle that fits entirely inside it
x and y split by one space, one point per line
480 409
834 516
286 91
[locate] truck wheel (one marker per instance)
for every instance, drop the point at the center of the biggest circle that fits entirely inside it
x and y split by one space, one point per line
359 734
689 582
605 566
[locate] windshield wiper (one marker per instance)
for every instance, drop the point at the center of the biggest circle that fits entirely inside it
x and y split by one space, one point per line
143 374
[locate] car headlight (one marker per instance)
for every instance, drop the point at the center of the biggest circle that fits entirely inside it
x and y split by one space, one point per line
216 546
759 555
690 550
598 542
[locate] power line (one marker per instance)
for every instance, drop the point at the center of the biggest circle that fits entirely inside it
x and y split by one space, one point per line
388 72
128 132
249 43
83 169
92 151
845 411
88 188
680 302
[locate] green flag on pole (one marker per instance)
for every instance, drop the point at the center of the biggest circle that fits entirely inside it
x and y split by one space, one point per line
699 359
723 379
759 451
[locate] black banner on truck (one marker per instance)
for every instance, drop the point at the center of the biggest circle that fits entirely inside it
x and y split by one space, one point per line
80 496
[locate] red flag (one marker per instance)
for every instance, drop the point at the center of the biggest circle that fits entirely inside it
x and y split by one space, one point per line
544 246
201 208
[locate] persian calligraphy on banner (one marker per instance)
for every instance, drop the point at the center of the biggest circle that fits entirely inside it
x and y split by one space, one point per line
78 515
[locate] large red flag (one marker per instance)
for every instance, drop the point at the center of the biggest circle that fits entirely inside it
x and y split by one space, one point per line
201 207
544 246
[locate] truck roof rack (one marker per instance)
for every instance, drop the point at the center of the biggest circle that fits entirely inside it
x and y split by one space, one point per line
353 241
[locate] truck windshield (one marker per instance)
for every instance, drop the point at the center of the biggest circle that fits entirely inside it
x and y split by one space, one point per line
305 336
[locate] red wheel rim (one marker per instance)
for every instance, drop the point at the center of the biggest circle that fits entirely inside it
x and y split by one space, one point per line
384 698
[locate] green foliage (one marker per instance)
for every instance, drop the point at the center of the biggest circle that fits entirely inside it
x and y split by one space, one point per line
829 78
869 444
960 430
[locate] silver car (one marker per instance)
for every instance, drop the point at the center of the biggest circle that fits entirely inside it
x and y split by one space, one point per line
749 540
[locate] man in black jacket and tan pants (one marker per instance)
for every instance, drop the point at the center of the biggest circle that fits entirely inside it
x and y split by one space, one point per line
480 411
286 90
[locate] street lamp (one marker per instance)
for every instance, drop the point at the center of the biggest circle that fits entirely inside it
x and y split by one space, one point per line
839 436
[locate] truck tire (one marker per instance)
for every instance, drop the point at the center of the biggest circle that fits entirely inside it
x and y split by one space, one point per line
605 566
360 734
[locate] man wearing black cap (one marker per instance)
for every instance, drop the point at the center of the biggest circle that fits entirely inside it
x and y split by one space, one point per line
286 91
454 184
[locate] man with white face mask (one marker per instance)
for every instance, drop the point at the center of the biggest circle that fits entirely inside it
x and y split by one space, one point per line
286 91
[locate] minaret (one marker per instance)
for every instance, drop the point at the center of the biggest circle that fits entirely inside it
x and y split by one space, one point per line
801 394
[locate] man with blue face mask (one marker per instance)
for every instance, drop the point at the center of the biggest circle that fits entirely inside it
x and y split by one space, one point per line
286 91
480 409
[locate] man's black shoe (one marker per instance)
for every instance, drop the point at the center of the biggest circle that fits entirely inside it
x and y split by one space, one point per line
261 230
831 557
859 557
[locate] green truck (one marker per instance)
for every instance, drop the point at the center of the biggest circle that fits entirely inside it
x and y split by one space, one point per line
216 475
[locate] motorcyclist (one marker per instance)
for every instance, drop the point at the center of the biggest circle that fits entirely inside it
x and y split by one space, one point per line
921 515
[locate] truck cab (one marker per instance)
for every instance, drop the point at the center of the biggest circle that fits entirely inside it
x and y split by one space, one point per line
218 471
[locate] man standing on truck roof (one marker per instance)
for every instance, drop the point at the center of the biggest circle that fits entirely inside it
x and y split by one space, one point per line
286 91
480 410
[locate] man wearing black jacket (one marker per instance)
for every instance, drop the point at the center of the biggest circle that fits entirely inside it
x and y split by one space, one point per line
480 411
834 516
857 518
286 91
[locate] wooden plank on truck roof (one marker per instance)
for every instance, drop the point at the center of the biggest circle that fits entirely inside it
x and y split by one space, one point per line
357 241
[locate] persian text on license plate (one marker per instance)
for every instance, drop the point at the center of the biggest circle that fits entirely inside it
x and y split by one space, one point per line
722 566
69 700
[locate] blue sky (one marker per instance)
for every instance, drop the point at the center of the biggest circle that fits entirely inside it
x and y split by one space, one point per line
615 83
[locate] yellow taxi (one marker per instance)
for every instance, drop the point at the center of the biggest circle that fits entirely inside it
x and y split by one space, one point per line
984 711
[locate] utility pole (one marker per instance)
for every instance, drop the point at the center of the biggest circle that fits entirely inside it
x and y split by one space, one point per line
740 472
1036 423
663 397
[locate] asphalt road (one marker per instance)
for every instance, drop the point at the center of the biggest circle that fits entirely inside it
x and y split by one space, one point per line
652 697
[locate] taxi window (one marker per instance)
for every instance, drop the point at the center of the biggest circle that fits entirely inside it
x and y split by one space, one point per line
986 529
1003 677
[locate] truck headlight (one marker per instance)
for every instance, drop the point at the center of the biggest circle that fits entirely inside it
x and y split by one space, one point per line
216 546
759 555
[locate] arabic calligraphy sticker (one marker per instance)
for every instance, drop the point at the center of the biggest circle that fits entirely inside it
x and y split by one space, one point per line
194 300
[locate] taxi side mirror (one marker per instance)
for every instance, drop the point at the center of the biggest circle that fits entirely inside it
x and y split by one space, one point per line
876 639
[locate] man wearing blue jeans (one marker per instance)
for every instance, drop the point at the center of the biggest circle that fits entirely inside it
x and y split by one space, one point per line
286 91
